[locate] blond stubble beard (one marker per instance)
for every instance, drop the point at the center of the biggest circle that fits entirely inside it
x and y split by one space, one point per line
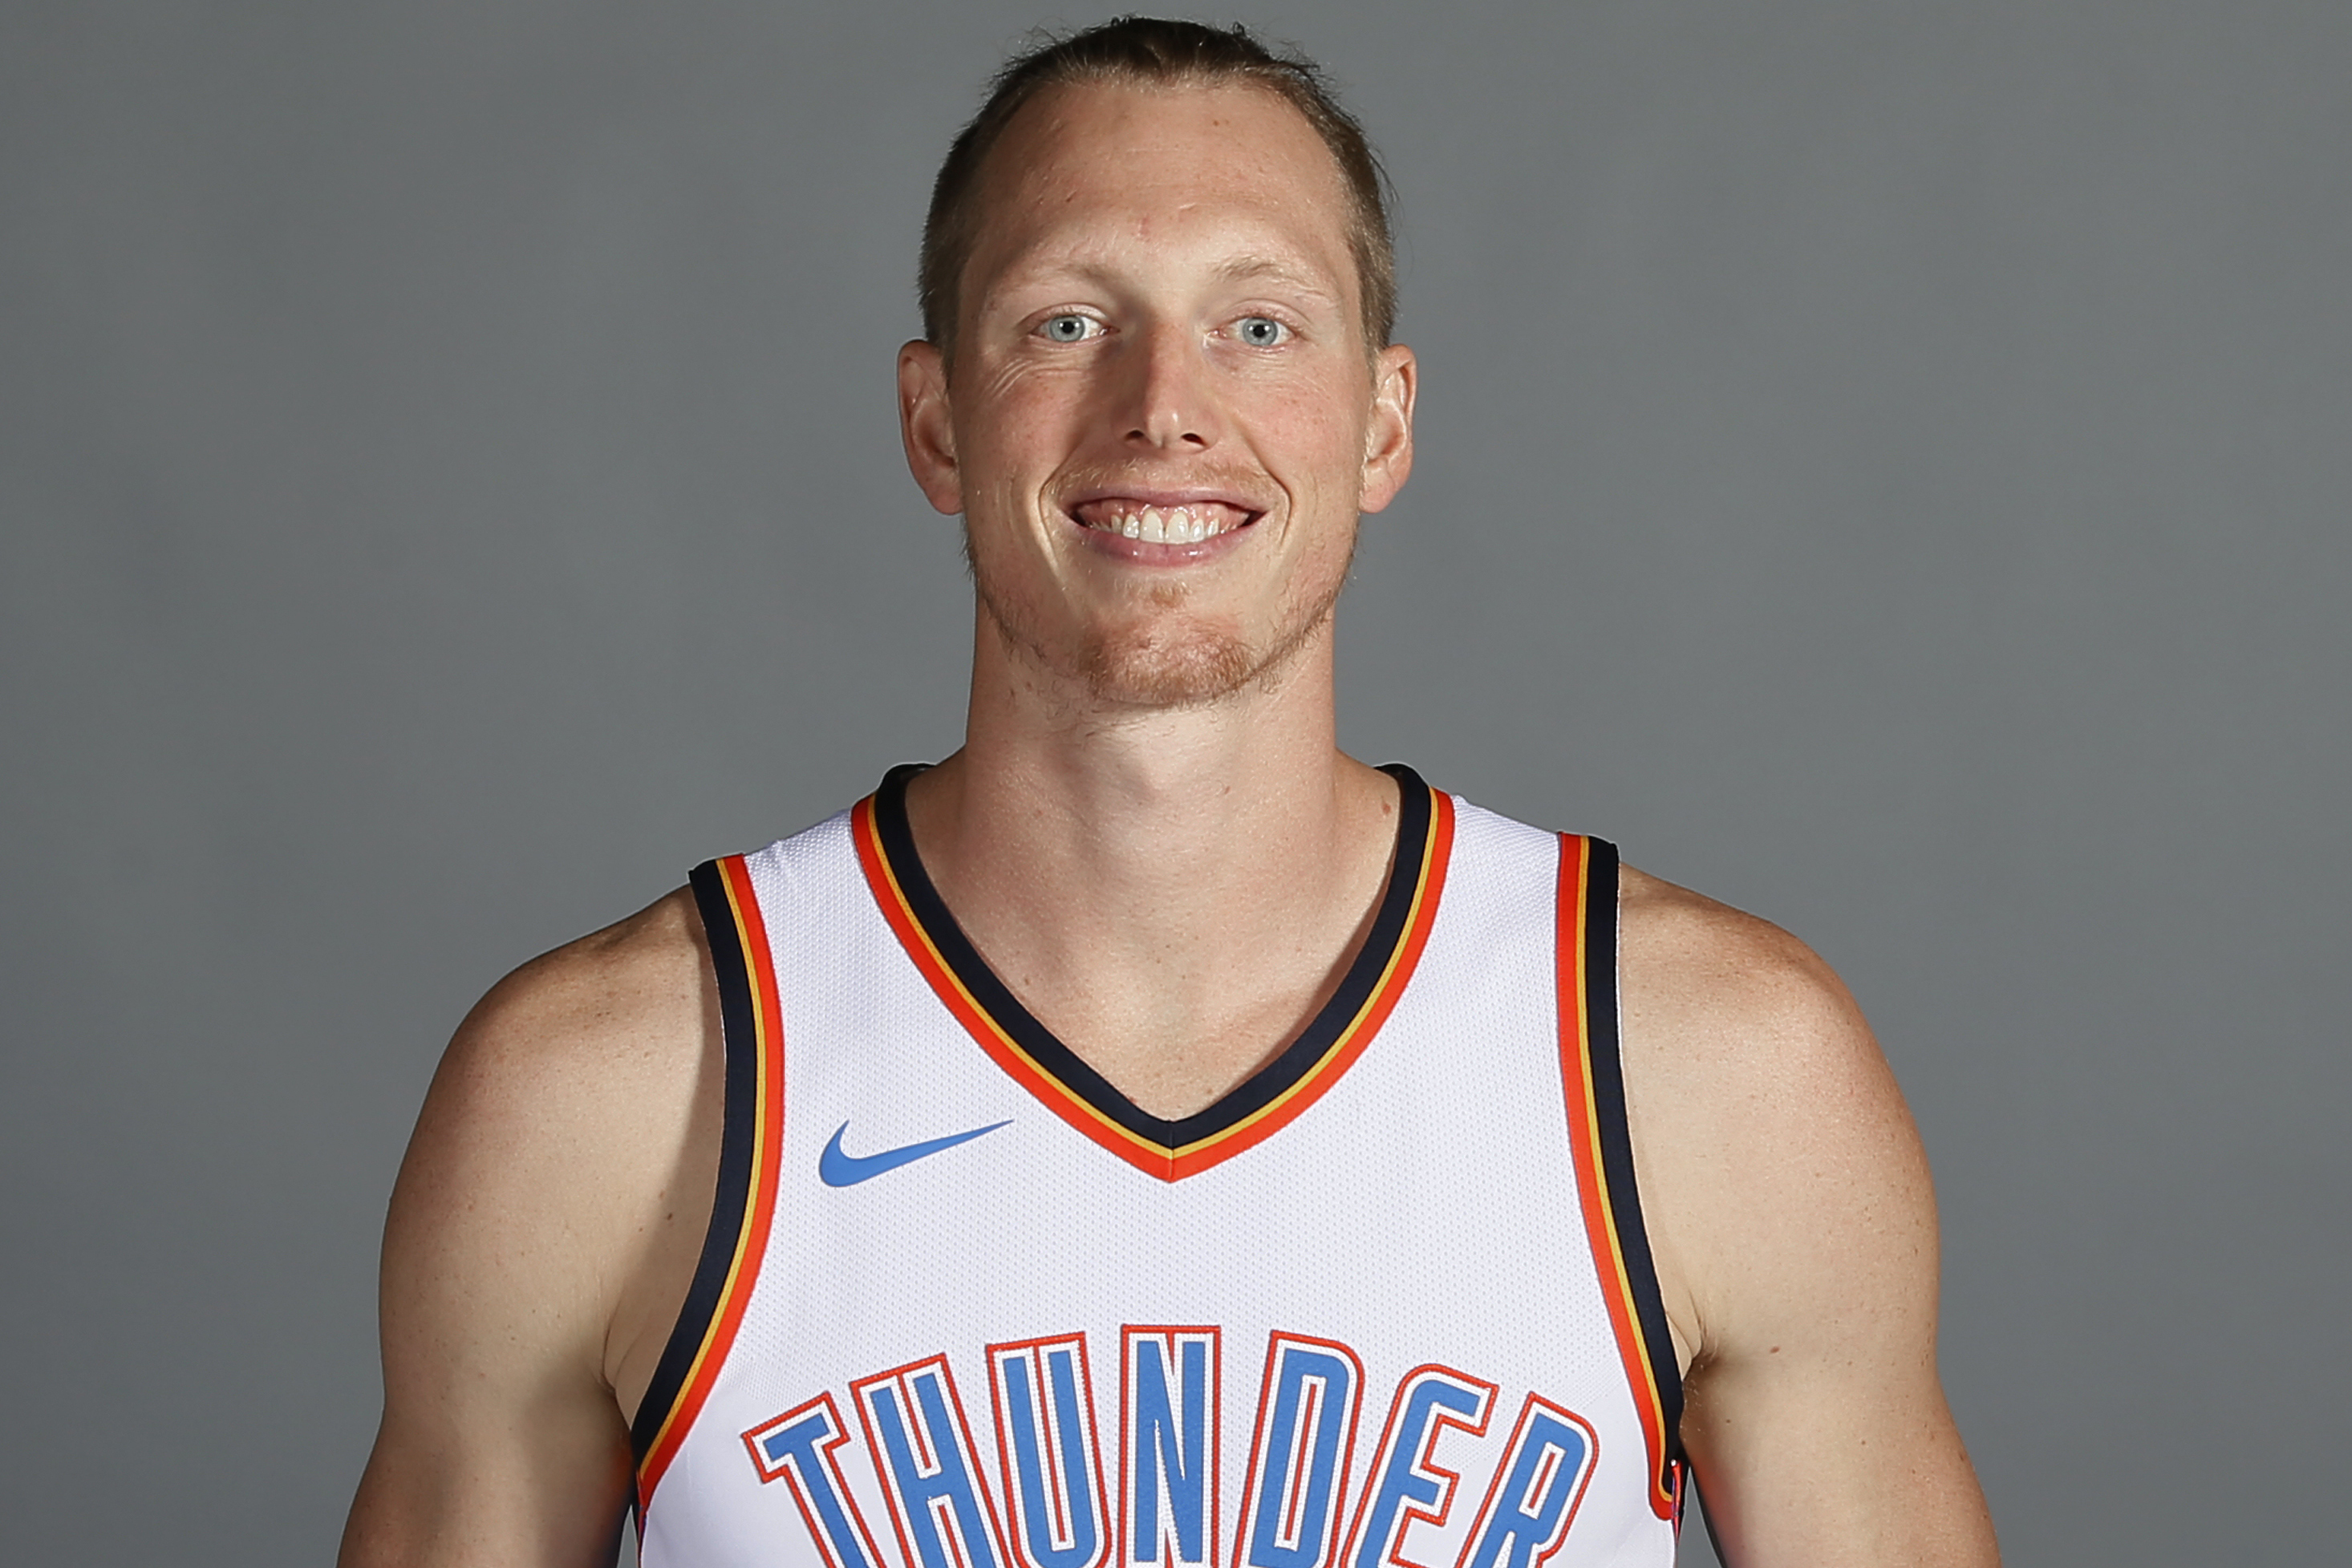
1144 668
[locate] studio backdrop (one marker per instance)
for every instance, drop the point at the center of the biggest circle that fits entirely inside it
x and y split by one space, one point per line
1887 466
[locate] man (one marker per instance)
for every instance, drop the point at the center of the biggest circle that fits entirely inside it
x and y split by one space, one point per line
1150 1134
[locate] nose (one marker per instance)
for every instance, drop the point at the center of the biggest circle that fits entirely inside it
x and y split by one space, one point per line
1171 403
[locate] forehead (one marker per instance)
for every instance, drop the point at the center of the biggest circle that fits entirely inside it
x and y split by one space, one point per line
1084 167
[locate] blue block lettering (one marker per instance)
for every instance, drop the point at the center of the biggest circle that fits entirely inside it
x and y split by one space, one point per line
1079 1541
1422 1403
797 1448
1536 1492
1305 1421
950 1478
1170 1436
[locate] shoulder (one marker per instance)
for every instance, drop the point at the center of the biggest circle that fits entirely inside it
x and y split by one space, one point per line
1775 1156
609 1006
571 1053
1712 988
555 1162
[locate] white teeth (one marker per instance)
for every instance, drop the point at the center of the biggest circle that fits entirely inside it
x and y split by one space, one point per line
1170 524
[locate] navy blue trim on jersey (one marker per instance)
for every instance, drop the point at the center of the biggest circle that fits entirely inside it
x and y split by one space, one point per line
732 968
1617 1142
1270 1082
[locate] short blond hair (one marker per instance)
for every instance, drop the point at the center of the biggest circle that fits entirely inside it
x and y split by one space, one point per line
1149 51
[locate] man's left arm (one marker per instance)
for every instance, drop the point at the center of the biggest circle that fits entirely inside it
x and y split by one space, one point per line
1794 1225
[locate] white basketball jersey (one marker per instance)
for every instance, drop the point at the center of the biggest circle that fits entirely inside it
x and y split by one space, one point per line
1388 1304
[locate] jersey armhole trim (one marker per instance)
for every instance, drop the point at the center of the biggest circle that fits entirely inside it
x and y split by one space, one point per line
1593 1075
751 1144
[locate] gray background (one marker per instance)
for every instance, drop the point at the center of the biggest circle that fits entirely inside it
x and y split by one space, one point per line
1887 465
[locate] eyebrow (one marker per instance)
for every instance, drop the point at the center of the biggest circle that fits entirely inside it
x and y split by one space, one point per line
1247 268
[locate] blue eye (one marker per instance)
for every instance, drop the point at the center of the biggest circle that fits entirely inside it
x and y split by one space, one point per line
1066 329
1261 331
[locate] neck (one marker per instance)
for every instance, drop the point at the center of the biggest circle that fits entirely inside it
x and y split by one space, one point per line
1170 891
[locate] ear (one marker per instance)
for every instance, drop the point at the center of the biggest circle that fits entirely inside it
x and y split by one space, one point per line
925 426
1388 443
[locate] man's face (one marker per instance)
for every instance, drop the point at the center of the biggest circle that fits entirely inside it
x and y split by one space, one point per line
1164 418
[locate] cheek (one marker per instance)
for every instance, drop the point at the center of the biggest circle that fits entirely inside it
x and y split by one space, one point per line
1315 415
1020 433
1314 449
1026 420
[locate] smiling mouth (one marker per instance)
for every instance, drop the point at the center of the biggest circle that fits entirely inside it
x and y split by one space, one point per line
1187 523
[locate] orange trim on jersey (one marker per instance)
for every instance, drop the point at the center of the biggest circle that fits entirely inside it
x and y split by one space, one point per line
767 1151
1592 1180
1153 1158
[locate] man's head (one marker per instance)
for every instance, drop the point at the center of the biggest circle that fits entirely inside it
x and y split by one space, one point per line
1145 52
1171 396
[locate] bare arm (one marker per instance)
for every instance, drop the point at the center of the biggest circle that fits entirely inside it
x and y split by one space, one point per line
540 1241
1796 1231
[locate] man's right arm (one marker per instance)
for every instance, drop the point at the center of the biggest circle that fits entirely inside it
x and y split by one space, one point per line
540 1236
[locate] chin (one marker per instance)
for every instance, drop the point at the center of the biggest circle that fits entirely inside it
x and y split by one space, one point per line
1162 657
1190 667
1159 672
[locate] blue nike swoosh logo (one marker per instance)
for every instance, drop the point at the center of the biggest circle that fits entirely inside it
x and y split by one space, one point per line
838 1169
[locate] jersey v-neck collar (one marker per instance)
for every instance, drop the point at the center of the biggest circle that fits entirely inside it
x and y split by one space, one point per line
1051 1072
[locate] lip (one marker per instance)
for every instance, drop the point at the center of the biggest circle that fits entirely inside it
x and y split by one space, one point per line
1118 546
1153 496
